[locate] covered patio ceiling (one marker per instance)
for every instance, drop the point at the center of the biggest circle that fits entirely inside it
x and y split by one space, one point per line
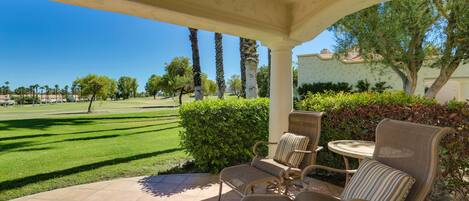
278 24
268 21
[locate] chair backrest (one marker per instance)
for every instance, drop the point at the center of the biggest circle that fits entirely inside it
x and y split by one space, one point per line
412 148
306 124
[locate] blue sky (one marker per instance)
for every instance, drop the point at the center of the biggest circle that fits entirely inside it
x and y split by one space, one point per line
43 42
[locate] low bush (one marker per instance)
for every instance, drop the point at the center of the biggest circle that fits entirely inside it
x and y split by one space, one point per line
322 87
220 133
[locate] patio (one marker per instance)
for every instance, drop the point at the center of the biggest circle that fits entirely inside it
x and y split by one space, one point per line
182 187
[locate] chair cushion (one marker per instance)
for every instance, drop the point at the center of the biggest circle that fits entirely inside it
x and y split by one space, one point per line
375 181
286 145
274 168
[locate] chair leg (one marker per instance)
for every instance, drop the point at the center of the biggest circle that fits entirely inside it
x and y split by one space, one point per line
220 190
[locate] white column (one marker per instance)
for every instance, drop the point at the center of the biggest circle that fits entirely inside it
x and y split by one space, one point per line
281 91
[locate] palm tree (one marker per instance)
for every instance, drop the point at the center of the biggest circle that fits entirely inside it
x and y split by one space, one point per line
242 63
7 88
47 88
42 92
251 59
56 93
36 88
31 89
219 64
196 64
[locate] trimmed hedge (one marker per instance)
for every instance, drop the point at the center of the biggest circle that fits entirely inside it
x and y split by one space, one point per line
220 133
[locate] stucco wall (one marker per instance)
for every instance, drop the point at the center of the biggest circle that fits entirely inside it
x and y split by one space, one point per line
312 68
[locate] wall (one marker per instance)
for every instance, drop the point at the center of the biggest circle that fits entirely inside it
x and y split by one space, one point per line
317 68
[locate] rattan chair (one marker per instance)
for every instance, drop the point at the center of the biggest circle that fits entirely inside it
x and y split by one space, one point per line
243 178
409 147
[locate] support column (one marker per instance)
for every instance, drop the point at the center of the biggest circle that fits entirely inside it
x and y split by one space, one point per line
281 91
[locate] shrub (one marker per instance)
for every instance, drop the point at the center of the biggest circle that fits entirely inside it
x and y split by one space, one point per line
355 116
220 133
363 85
322 87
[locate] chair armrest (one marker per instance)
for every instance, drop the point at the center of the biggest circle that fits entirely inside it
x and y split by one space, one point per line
308 169
301 151
319 148
254 148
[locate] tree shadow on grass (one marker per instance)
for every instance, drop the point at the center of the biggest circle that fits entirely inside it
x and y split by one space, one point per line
20 182
14 145
89 138
82 132
33 149
40 124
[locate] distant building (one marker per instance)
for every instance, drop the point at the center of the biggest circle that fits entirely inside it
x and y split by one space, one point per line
323 67
5 100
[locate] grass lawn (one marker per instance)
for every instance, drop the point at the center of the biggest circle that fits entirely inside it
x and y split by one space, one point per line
42 154
55 110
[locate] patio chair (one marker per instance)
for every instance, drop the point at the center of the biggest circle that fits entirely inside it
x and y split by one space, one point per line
406 147
243 178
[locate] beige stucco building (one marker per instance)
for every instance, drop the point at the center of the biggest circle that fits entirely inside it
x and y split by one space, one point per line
323 67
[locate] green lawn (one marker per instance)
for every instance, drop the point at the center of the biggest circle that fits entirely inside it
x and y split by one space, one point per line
42 154
75 109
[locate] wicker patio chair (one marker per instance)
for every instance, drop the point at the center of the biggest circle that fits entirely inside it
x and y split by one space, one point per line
408 147
243 178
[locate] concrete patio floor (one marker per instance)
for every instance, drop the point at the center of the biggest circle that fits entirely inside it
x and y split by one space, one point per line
179 187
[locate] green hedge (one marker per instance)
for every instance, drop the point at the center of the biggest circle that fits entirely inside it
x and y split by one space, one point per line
355 116
220 133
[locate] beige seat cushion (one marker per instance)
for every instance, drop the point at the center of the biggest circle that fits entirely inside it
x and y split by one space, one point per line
274 168
286 145
375 181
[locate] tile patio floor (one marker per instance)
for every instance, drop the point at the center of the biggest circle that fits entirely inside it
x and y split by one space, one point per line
179 187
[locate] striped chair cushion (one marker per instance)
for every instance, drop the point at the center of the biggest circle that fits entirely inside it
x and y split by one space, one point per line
375 181
287 144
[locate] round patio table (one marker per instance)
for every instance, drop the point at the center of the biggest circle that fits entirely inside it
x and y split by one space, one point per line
352 148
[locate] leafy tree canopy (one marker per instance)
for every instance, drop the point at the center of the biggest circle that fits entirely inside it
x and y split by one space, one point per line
406 34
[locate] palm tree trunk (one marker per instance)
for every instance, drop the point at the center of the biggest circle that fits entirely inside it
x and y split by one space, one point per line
219 65
196 64
243 68
249 49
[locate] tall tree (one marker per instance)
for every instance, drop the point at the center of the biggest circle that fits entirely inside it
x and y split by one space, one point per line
406 34
56 92
125 86
454 21
95 87
154 85
251 61
47 91
178 78
196 64
65 92
242 65
134 86
235 85
392 30
219 65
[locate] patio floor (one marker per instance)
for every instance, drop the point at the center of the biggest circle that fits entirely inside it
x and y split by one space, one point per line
180 187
